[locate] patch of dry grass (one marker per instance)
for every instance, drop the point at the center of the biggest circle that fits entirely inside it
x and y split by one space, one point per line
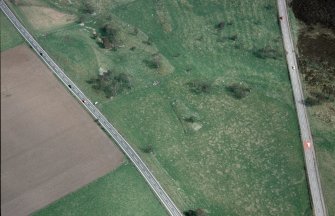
44 18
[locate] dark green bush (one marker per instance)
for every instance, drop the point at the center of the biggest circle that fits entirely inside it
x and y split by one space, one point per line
197 212
238 90
199 86
147 149
110 32
311 101
87 7
155 62
266 52
111 83
220 25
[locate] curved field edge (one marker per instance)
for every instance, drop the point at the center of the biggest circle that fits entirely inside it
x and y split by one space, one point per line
121 192
247 157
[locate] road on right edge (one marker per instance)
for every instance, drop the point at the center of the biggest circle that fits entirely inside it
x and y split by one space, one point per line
305 132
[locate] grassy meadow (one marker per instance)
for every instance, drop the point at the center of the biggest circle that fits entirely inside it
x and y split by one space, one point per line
209 149
9 36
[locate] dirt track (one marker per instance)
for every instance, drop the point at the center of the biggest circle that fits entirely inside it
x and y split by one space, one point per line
49 145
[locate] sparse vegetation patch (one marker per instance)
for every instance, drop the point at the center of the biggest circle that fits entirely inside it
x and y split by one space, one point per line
188 117
267 52
111 83
200 86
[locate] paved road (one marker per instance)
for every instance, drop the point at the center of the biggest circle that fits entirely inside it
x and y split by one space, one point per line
305 132
127 149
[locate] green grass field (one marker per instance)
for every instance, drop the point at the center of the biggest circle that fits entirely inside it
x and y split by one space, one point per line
121 192
9 36
246 158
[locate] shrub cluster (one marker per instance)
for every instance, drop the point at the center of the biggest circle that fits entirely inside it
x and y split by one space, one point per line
267 52
238 90
155 62
199 86
109 36
111 83
197 212
147 149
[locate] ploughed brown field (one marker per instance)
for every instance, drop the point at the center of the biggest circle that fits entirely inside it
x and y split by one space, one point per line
50 146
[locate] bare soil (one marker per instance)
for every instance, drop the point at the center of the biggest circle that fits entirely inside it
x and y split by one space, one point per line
50 146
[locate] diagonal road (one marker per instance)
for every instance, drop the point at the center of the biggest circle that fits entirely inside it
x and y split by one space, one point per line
305 132
123 144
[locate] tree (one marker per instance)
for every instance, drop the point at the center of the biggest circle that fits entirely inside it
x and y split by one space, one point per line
197 212
147 149
109 29
123 78
110 32
266 52
199 86
190 213
233 37
311 101
87 7
221 25
238 90
111 83
155 62
106 43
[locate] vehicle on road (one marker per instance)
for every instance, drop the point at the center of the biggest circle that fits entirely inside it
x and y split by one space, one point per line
307 144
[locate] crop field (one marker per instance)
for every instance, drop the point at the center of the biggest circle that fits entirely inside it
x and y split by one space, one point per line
9 36
210 106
